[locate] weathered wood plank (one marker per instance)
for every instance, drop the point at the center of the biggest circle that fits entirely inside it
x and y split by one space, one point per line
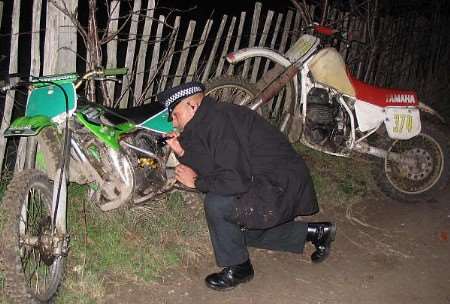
253 33
35 71
129 59
286 30
225 48
155 64
184 53
165 73
21 154
140 67
51 40
198 52
278 100
274 38
238 40
13 68
35 67
214 49
262 42
67 40
296 31
111 46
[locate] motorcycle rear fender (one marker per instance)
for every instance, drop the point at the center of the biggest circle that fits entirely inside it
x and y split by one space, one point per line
423 107
28 126
109 135
246 53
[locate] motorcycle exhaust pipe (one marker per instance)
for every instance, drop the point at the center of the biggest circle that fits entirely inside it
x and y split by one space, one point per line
274 87
381 153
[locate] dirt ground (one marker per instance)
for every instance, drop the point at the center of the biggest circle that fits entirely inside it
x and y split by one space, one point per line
389 253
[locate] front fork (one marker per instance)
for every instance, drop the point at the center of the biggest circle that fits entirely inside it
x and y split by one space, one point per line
59 213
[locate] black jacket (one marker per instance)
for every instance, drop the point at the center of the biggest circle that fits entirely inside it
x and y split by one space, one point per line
236 152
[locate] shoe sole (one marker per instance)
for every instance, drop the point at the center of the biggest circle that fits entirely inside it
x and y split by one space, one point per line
249 278
333 232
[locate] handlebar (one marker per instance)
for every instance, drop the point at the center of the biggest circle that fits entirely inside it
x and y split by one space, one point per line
6 86
115 72
101 72
334 34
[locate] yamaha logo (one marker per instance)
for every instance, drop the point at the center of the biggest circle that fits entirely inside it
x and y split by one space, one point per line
400 98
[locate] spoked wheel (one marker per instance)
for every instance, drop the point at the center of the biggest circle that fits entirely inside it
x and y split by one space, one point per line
33 269
278 111
422 178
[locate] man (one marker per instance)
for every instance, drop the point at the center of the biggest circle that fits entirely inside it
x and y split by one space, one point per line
255 183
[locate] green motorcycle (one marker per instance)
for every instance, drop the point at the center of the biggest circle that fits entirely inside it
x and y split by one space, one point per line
120 153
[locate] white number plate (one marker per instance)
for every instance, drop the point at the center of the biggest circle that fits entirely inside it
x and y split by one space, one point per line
402 122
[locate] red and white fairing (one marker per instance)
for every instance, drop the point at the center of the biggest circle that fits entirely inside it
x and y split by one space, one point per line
396 108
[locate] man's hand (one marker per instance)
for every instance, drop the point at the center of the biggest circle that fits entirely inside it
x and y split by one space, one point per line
185 175
174 143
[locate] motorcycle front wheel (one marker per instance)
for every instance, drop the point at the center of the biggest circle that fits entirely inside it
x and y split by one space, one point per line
278 111
33 273
422 180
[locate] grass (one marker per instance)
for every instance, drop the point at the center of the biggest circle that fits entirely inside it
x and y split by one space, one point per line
5 178
338 181
140 244
135 245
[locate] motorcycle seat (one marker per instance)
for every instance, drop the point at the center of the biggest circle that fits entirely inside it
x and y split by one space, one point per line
137 115
382 97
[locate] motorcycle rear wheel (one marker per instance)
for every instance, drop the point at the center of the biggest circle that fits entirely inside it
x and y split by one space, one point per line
424 180
237 90
33 274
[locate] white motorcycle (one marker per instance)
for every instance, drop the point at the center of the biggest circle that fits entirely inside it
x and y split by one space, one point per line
311 96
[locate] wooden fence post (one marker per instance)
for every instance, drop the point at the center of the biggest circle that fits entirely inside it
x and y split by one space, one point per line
253 33
214 49
225 48
155 58
35 70
165 73
140 68
129 59
51 39
287 26
262 42
13 68
67 40
274 38
238 40
111 46
184 53
198 52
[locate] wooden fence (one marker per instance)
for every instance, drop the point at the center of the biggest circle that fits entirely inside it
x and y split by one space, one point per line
160 53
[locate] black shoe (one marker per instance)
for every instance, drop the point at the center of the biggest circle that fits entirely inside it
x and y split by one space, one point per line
321 235
230 276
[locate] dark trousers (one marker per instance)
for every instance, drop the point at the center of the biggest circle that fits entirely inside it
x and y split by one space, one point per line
230 242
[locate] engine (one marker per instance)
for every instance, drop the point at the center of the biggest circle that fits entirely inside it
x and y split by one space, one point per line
324 119
149 169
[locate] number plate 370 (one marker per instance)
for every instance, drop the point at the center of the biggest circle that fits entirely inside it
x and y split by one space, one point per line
402 123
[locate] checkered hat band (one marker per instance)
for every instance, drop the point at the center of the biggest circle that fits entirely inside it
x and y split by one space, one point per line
180 94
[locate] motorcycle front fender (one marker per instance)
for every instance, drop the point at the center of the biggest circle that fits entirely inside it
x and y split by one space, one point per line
28 126
246 53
